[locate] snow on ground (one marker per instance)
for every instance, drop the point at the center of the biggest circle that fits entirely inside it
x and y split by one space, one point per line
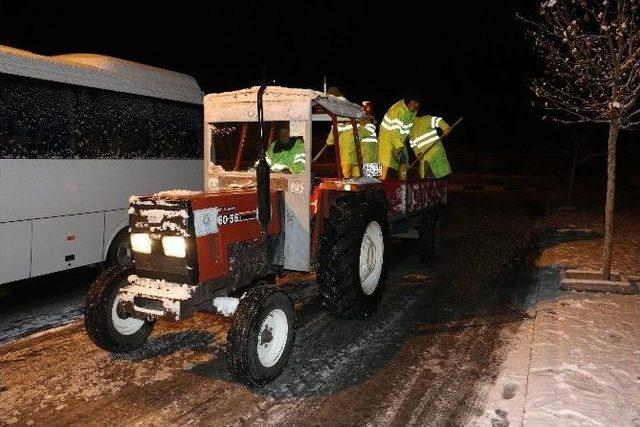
585 361
226 305
576 362
541 357
36 305
21 324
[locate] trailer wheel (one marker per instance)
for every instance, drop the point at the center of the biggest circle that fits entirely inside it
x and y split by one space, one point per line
107 328
119 253
261 336
429 234
352 260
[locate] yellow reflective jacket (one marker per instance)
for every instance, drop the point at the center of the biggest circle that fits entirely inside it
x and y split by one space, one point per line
346 142
394 129
423 136
368 141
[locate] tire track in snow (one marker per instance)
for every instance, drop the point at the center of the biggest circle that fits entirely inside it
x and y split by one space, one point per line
439 394
229 394
404 385
334 366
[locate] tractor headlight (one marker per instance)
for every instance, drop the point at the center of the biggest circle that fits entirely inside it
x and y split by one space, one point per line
141 242
174 246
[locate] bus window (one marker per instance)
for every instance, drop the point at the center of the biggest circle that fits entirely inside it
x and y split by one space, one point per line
116 125
47 120
36 118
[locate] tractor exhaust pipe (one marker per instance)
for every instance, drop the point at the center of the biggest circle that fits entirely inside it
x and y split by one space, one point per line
263 171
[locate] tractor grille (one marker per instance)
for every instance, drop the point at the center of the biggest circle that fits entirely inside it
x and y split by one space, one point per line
160 266
159 218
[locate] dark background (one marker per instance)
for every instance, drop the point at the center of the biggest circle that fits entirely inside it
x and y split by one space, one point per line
467 58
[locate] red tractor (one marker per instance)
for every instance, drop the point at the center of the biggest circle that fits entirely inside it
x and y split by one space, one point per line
218 250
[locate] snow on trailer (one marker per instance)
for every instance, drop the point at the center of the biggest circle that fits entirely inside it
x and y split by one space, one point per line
197 251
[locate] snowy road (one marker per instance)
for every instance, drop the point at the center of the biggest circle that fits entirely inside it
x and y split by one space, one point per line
424 358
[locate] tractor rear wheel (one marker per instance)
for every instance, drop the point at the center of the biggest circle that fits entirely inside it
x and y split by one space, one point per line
261 336
352 257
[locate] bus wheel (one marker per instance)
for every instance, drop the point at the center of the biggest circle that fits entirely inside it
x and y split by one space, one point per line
120 250
107 328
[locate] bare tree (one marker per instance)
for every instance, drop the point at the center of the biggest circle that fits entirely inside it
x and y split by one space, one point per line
590 50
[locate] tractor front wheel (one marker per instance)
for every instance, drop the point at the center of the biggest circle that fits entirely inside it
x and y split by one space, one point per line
352 260
261 336
105 325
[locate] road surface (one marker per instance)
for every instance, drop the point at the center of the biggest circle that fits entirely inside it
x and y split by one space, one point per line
422 359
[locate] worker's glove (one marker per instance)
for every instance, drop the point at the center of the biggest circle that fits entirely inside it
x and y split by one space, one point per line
439 131
403 157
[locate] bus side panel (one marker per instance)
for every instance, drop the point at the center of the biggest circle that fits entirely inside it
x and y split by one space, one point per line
15 251
39 188
66 242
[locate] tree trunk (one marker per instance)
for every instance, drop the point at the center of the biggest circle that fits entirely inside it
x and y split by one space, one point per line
574 162
614 127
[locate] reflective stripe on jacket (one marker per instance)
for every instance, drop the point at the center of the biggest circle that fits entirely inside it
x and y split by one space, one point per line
394 129
423 136
292 159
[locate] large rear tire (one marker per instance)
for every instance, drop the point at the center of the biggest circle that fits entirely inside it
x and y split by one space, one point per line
106 327
261 336
352 257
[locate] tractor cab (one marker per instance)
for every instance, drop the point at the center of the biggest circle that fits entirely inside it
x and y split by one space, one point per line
232 148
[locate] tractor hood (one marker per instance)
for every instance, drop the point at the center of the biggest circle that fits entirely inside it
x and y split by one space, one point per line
203 225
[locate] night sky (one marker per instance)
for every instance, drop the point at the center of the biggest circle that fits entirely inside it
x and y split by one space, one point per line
467 58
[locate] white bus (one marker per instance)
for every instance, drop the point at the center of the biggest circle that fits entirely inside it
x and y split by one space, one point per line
78 134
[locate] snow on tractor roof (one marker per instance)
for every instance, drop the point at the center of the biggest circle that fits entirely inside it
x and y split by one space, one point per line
284 95
102 72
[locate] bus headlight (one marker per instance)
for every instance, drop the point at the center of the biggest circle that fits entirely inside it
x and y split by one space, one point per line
174 246
141 242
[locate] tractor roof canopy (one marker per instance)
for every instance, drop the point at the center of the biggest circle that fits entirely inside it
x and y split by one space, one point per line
280 103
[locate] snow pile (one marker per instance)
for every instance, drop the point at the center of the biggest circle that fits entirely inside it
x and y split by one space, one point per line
176 193
102 72
226 305
169 293
362 180
153 214
279 94
164 219
158 288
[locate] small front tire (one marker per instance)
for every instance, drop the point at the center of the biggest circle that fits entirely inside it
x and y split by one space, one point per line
261 337
105 326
